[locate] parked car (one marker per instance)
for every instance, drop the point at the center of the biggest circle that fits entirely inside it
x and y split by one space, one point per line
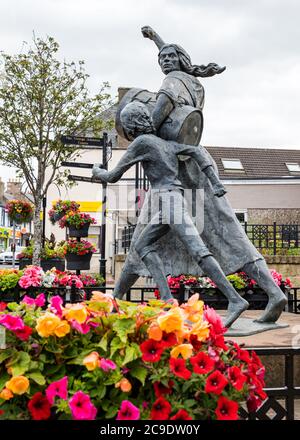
6 257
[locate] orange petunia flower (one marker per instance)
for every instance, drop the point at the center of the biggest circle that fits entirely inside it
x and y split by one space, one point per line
172 320
185 350
155 332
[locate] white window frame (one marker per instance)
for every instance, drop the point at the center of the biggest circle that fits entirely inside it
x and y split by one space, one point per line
240 166
293 164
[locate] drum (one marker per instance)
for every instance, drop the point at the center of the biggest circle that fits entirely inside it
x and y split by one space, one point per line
183 125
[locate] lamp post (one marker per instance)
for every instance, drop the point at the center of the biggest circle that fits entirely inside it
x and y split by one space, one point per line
103 213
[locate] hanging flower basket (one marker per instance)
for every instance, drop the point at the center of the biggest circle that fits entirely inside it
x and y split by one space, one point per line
80 232
61 208
19 211
78 254
77 222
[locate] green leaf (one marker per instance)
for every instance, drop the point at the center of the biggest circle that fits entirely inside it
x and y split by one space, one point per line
4 377
21 365
103 343
132 352
115 345
123 327
5 355
139 373
37 376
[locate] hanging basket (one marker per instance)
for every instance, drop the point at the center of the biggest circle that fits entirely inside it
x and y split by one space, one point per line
81 232
78 262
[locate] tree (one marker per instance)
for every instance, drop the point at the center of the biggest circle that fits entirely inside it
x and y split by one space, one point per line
41 98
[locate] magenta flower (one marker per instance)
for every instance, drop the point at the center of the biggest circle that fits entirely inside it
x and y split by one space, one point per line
58 388
128 411
107 364
82 407
12 322
56 303
29 301
81 328
40 300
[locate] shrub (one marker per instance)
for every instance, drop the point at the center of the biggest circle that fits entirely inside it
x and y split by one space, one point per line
147 361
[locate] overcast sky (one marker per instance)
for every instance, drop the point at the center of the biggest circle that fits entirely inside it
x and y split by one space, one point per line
254 103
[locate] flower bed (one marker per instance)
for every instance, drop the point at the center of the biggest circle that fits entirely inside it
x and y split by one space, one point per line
35 276
240 281
147 361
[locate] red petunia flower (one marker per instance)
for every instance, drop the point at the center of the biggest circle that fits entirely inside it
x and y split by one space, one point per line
24 334
168 339
215 383
161 409
202 363
227 409
39 407
181 415
162 390
3 306
236 377
195 343
1 412
178 367
152 350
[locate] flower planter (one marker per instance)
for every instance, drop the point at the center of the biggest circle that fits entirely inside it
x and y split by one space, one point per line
78 262
58 263
82 232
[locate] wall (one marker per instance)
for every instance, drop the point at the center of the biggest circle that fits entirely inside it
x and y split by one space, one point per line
279 215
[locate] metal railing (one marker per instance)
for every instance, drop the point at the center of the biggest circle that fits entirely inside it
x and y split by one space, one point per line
273 237
280 403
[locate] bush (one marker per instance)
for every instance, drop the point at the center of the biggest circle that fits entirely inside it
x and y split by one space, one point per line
147 361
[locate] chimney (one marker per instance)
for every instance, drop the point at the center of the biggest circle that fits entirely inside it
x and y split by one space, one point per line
1 191
13 187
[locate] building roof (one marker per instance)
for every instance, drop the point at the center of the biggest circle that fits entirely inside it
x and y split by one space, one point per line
257 163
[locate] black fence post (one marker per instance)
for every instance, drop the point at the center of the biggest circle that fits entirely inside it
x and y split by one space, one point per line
274 237
73 295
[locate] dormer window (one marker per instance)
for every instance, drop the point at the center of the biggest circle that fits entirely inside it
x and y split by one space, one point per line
232 165
293 167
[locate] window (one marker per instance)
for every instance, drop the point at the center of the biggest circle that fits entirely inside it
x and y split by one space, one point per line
232 164
242 215
293 167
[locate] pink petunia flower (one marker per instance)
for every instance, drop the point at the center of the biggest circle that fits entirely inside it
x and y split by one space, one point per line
29 301
40 300
56 303
12 322
82 407
58 388
107 364
81 328
128 411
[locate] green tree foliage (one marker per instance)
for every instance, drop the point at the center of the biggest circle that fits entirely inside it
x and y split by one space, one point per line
41 98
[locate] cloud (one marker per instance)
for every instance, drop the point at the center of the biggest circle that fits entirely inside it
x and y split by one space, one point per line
255 102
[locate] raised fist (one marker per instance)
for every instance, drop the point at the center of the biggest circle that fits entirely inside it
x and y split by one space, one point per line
148 32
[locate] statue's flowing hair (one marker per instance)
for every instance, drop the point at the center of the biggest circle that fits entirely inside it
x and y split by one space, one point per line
210 69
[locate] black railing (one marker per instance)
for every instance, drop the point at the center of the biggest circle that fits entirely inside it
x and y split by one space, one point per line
280 403
274 237
257 300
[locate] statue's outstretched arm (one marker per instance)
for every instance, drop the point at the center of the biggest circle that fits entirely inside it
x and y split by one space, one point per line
148 32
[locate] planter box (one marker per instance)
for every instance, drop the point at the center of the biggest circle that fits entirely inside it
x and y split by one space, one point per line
82 232
214 298
78 262
58 263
